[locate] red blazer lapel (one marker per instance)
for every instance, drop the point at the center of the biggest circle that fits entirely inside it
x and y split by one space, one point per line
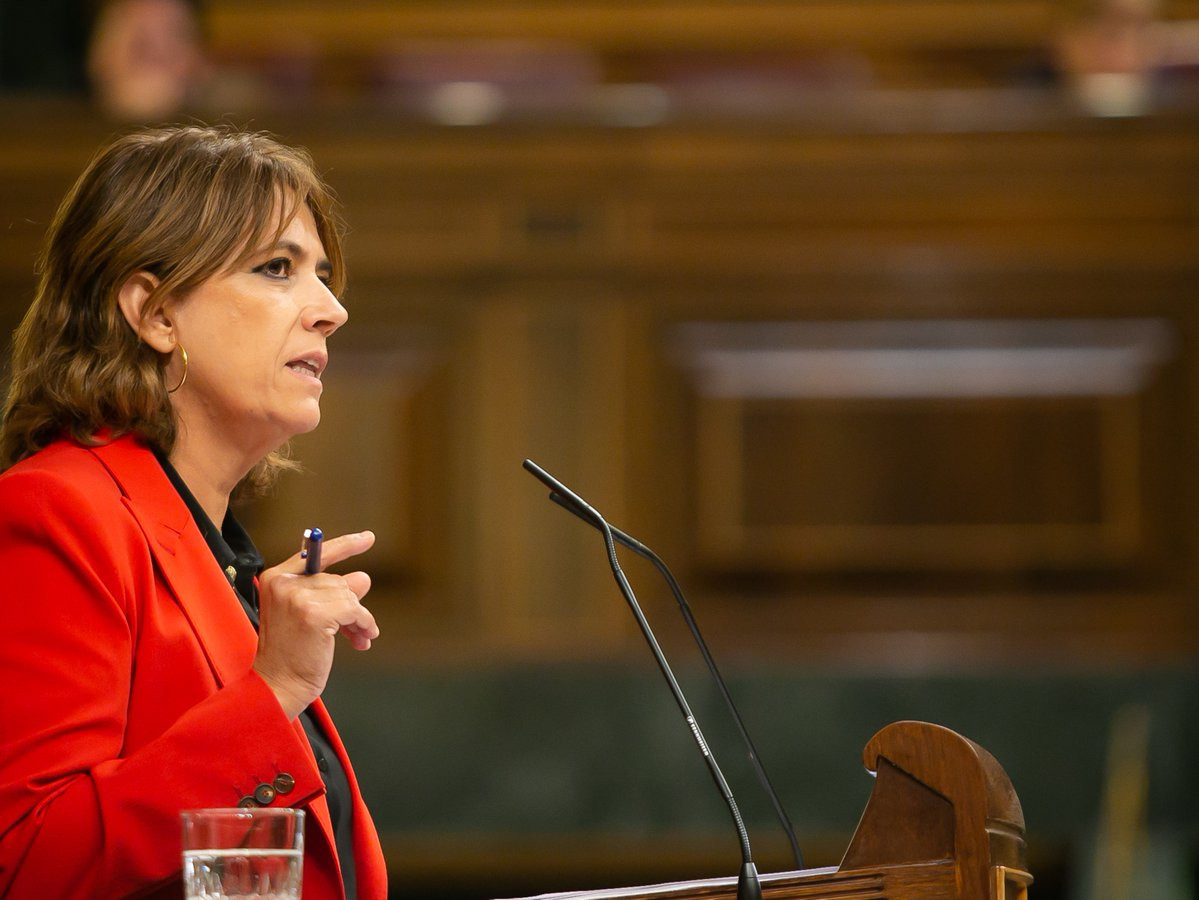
186 563
371 866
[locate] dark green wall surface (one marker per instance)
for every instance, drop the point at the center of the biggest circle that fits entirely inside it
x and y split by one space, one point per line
603 748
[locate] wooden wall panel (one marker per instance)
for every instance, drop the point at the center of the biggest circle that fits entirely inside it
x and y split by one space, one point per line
374 24
523 292
921 445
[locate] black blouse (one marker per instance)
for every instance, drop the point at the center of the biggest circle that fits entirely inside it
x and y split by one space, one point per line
241 562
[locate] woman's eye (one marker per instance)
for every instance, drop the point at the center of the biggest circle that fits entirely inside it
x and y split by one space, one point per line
276 268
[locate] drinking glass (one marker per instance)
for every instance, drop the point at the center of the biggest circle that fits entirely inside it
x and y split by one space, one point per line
243 854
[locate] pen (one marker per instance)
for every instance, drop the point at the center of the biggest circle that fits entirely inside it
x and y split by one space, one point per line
310 550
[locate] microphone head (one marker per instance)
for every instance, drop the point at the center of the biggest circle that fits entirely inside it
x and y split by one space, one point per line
542 475
561 494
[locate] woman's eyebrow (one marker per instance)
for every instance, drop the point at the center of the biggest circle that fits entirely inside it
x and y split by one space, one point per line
288 246
295 249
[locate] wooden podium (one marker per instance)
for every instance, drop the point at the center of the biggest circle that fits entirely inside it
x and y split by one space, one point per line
943 823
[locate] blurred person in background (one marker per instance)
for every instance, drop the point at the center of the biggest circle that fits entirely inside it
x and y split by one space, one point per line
146 58
139 60
1109 52
1121 58
148 664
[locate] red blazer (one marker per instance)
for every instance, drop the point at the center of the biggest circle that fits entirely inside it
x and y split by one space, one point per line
126 689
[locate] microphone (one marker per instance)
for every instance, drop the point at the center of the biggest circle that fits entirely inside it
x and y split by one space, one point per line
748 885
685 608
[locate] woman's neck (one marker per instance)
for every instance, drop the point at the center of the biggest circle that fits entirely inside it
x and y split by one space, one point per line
210 473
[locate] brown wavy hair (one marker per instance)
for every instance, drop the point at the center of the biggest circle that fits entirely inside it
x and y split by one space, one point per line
180 203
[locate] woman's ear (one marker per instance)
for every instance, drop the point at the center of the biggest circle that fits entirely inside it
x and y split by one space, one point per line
157 329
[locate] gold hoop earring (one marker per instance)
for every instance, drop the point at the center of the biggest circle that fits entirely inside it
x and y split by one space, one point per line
183 353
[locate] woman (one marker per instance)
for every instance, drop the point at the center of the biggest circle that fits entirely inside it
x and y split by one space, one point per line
176 342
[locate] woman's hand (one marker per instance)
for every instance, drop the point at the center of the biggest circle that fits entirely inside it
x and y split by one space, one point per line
300 616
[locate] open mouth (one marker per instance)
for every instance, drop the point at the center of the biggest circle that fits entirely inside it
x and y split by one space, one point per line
308 368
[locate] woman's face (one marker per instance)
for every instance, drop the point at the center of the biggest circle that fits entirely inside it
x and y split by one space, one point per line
255 338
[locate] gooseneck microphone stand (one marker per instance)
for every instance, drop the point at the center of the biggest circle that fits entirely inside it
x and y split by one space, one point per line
748 885
685 608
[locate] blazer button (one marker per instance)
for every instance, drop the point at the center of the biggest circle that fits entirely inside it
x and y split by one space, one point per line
322 763
247 803
284 783
264 794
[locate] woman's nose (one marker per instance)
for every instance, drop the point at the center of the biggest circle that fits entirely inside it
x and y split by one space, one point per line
324 312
